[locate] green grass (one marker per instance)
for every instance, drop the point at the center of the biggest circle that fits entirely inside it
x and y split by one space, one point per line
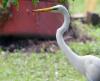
88 48
37 67
95 33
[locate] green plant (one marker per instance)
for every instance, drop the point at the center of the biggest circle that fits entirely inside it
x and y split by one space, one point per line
6 2
35 1
15 2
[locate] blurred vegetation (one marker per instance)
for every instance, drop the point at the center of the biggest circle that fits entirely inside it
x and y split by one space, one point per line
15 2
90 47
6 2
79 6
37 67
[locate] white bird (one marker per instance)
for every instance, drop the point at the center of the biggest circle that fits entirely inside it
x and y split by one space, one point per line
88 65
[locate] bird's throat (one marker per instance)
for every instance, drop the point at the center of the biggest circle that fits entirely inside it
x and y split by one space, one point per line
72 57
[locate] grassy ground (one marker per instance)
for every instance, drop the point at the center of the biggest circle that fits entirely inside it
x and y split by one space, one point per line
37 67
48 66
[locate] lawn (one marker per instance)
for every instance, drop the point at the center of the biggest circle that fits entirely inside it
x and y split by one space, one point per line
37 67
48 66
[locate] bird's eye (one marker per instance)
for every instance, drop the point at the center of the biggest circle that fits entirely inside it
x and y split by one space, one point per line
55 8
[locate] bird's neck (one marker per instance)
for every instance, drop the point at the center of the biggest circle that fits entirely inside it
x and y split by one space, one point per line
72 57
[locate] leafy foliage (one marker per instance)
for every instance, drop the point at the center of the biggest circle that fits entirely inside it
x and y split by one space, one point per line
35 1
15 2
4 2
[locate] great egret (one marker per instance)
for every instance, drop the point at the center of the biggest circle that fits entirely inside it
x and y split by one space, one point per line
87 65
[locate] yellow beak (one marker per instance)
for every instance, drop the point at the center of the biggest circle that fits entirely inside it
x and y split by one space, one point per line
43 9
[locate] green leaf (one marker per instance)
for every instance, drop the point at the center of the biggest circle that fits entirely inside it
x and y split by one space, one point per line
4 3
35 1
16 3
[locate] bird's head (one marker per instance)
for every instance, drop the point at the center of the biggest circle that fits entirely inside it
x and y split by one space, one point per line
55 9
